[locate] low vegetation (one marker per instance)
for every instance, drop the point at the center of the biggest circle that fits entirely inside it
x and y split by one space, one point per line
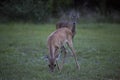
23 47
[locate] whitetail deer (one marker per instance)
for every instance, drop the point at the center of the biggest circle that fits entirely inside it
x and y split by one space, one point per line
57 39
67 24
71 23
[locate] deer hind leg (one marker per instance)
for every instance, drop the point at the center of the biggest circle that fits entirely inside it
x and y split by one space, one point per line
70 45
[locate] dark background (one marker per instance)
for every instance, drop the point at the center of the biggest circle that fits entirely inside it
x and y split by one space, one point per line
42 11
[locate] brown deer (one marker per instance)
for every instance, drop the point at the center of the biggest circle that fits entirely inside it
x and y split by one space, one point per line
71 23
57 39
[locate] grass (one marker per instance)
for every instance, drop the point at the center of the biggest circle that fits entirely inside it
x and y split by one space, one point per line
22 47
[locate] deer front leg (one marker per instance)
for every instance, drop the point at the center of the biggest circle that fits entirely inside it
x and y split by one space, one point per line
63 50
57 58
64 56
58 65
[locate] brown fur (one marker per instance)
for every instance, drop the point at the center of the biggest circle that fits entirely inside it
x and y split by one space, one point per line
56 40
67 24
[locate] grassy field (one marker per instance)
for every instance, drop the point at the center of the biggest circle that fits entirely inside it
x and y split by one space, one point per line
22 47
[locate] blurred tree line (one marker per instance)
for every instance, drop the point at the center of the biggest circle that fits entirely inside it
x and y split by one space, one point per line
45 10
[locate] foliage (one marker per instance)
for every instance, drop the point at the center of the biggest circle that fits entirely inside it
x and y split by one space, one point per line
26 10
45 10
